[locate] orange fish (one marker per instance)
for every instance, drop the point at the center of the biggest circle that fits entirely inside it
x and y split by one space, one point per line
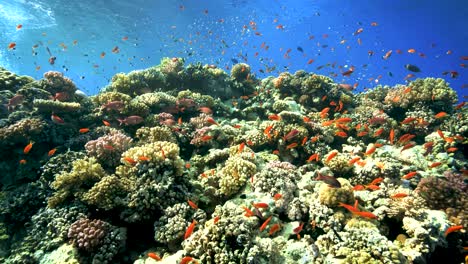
359 187
440 115
109 147
206 138
154 256
411 51
452 149
260 205
248 212
366 215
216 219
298 230
51 152
391 136
350 208
310 61
84 130
374 24
130 160
190 229
212 121
28 148
379 132
409 175
435 164
264 225
387 55
115 50
408 120
124 38
23 161
277 196
12 45
274 117
103 54
453 229
362 133
341 134
192 204
106 123
187 259
377 181
274 229
353 160
313 157
373 187
292 145
408 146
241 147
144 158
331 156
441 134
371 149
399 195
19 26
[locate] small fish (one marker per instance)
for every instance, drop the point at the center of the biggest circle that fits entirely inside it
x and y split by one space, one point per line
56 119
411 51
366 215
83 130
350 208
453 229
274 228
291 134
300 49
387 55
51 152
12 45
248 212
115 49
435 164
274 117
277 196
292 145
154 256
106 123
131 120
372 187
22 162
399 195
359 31
28 148
298 230
19 26
409 175
212 121
241 147
216 219
190 229
412 68
130 160
260 205
187 259
331 156
440 115
330 180
144 158
192 204
265 224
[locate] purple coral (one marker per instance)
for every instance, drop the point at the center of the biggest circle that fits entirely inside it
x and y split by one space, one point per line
88 234
108 149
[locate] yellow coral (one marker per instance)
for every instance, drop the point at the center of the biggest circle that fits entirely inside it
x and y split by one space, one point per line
331 197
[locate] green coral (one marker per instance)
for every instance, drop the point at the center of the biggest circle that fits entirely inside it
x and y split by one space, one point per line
331 197
108 193
106 97
11 81
85 173
153 134
240 71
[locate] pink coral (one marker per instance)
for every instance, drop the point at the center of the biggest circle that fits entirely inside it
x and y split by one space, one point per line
198 135
108 149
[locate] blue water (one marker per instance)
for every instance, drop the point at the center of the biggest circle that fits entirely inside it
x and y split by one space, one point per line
220 32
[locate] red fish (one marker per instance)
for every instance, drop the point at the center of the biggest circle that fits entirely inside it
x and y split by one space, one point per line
190 229
28 148
453 229
83 130
298 230
154 256
409 175
212 121
291 134
114 105
12 45
399 195
274 229
192 204
260 205
331 156
51 152
187 259
56 119
350 208
366 215
265 224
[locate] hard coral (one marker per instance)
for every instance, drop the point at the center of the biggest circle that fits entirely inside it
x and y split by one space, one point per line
108 149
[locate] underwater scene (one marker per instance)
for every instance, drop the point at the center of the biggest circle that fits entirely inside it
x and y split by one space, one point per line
235 131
